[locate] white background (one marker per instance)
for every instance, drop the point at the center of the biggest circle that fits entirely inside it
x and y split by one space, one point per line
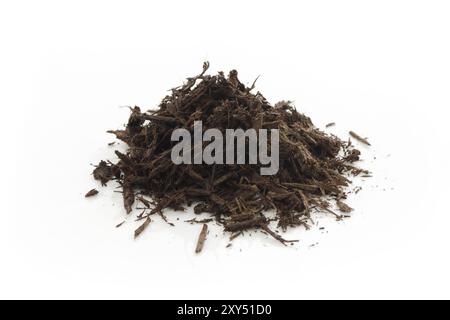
67 68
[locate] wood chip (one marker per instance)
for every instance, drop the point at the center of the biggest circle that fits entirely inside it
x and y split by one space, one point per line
192 221
128 197
343 207
359 138
120 224
201 239
142 227
91 193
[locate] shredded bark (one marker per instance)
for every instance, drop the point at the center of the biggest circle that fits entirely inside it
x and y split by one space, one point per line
143 226
91 193
359 138
343 207
201 239
120 224
314 167
192 221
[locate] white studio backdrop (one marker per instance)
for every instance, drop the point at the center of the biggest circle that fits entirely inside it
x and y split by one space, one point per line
67 69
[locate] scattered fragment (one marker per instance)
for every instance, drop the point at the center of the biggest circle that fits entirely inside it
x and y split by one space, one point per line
103 172
192 221
142 227
235 235
201 239
359 138
343 207
357 190
91 193
120 224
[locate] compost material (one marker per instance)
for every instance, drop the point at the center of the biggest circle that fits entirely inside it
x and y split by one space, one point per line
315 168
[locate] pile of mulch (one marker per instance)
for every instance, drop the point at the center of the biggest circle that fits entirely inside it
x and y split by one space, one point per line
315 168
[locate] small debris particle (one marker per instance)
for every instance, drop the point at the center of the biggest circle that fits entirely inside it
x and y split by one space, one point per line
359 138
343 207
142 227
120 224
201 239
91 193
